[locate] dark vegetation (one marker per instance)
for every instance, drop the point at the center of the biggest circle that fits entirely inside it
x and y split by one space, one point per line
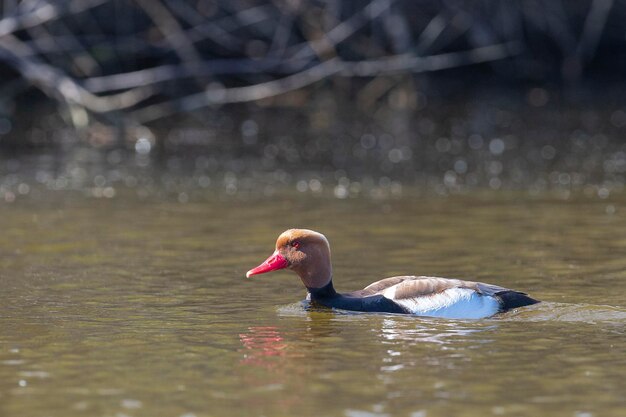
144 60
450 93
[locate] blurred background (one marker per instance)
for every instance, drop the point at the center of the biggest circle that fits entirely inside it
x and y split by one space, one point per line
378 98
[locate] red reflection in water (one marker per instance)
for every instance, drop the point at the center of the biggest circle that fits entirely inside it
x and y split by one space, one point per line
261 343
271 372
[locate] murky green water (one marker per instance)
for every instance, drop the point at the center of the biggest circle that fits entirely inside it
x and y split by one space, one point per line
127 308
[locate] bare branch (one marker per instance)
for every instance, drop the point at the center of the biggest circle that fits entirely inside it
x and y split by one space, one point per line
594 25
43 14
334 66
238 94
171 29
61 87
342 31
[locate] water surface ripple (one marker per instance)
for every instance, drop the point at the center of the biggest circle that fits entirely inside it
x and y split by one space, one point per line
129 308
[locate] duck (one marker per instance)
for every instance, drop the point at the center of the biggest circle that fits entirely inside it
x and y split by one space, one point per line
307 253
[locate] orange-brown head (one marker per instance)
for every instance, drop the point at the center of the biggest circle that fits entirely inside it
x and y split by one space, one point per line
304 251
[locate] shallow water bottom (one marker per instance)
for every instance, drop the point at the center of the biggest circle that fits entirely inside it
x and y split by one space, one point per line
131 308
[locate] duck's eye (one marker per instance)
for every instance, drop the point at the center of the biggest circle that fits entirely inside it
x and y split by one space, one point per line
295 244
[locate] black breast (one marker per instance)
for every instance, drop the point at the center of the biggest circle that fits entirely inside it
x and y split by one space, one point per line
327 296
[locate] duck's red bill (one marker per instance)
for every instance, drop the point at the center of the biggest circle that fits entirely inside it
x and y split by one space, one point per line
274 262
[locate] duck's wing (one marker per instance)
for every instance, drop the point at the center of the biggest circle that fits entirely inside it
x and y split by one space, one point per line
411 286
425 286
379 286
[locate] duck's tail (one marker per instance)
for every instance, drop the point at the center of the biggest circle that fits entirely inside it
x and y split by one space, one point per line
508 298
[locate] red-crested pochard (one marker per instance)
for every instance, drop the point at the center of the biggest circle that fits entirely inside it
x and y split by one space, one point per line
307 253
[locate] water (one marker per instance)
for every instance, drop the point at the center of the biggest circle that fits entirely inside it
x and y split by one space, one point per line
121 307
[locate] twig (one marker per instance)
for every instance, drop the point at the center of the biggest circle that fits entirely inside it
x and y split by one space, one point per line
416 64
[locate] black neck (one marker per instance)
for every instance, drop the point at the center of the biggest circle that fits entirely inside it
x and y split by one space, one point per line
327 291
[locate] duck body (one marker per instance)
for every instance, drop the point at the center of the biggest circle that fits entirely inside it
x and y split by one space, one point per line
424 296
308 254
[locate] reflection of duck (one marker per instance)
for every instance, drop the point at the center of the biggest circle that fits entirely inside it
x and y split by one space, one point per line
308 254
262 342
275 347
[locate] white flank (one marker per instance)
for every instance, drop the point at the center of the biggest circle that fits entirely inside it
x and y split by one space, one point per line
453 303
